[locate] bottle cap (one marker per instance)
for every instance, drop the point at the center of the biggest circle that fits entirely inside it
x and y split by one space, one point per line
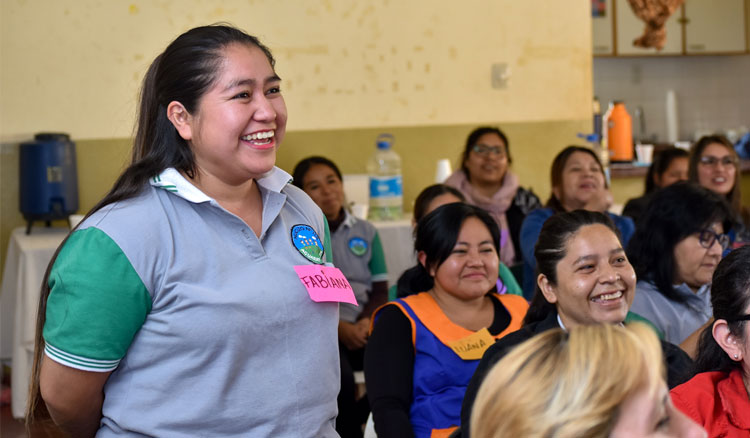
591 138
384 141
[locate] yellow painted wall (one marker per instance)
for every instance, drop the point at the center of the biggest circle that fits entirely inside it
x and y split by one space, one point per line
625 188
532 145
75 65
420 69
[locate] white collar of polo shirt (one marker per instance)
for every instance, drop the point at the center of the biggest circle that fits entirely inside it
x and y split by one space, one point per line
173 181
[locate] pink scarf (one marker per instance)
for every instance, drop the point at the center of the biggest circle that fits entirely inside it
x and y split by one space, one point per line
497 205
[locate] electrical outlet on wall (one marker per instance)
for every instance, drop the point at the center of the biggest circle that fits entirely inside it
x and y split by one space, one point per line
500 75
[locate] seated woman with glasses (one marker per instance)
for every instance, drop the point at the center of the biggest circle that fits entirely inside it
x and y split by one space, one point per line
677 245
486 181
714 164
717 397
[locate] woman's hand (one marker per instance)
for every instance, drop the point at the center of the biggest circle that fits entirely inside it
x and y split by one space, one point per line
363 326
354 336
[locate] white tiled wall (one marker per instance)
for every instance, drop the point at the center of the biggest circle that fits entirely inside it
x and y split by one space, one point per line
713 92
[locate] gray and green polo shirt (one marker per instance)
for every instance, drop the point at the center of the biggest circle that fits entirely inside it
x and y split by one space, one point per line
359 254
206 327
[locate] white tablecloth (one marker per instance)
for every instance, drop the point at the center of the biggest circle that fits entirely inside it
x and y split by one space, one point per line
25 265
398 246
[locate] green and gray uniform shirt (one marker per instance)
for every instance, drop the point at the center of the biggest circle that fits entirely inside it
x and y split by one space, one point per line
207 328
358 253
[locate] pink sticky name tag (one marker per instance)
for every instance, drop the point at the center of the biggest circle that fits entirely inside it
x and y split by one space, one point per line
324 283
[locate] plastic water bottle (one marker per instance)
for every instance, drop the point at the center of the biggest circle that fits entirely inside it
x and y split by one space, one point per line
386 190
600 151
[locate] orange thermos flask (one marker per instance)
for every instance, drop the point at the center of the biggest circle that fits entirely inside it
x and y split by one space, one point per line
618 132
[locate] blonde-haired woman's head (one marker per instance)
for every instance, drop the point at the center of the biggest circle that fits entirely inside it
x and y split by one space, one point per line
593 381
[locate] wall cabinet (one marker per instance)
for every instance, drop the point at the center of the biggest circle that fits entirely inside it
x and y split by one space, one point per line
712 26
629 27
698 27
602 30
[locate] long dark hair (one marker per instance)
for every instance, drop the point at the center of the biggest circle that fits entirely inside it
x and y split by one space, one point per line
551 247
674 213
730 296
428 194
301 169
411 280
184 72
661 163
556 173
436 235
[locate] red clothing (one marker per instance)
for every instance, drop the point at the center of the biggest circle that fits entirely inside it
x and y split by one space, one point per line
717 401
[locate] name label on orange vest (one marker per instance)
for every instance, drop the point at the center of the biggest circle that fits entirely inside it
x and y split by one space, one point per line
473 346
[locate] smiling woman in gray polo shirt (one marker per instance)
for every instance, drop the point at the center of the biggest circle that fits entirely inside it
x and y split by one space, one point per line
677 245
174 309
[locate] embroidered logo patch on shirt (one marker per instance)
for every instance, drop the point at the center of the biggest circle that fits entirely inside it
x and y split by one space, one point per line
307 242
358 246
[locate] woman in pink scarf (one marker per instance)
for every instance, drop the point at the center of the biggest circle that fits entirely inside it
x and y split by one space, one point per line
485 181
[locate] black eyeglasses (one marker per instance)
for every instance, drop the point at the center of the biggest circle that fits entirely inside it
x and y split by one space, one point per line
739 318
483 149
708 237
708 160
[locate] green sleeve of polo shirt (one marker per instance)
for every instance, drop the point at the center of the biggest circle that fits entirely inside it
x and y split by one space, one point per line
377 259
327 243
634 317
97 303
509 280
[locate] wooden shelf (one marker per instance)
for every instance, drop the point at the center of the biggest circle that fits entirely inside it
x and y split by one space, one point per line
626 170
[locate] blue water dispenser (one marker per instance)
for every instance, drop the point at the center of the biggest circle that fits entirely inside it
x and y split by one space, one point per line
48 178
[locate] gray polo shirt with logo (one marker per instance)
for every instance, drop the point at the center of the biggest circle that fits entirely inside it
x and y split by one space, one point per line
206 328
359 254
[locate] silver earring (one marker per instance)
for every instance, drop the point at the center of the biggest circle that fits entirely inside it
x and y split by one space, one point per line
736 356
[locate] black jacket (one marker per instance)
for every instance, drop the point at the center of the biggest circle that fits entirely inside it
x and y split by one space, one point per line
678 363
635 207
